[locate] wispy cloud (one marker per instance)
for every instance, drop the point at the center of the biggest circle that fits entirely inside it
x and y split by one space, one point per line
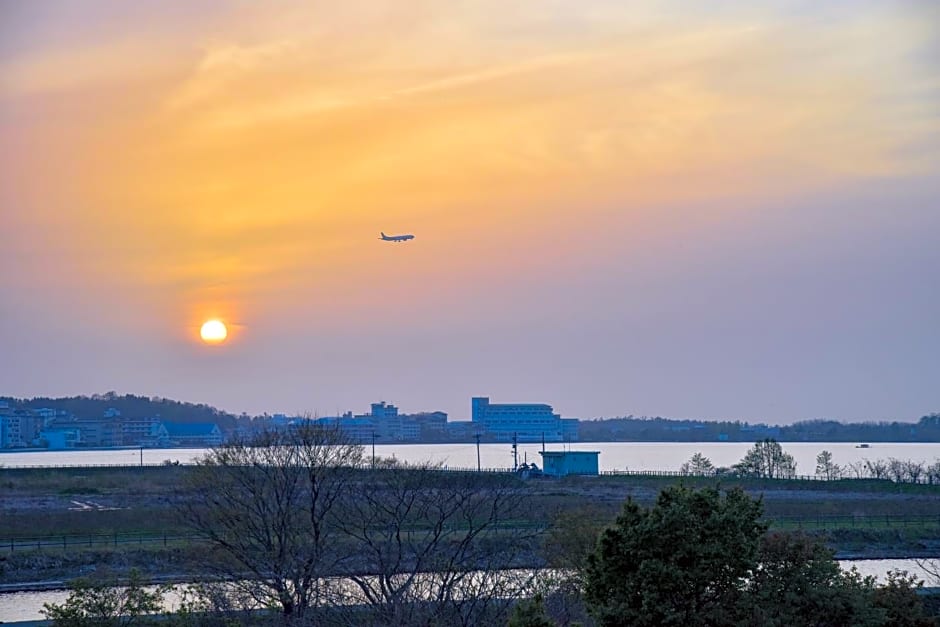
483 75
221 63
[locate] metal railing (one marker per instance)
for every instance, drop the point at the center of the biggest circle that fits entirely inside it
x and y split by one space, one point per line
99 540
832 522
925 480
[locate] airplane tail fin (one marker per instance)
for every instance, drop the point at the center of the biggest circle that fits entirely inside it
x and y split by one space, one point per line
383 235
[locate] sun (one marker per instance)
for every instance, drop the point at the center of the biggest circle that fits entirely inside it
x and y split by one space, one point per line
213 332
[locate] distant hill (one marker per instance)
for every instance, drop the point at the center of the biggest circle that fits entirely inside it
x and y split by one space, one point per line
133 407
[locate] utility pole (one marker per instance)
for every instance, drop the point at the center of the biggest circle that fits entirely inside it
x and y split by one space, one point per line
515 452
373 448
543 441
141 457
478 452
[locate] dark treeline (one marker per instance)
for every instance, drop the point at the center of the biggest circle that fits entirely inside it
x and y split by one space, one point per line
132 407
644 429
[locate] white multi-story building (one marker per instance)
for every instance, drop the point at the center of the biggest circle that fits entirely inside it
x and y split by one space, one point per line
138 431
526 422
20 428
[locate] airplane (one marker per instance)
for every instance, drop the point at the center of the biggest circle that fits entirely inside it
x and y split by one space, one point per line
396 238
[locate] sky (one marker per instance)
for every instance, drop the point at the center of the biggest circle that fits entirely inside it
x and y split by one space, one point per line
723 210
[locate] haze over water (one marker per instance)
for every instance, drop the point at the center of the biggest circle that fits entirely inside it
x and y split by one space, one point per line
710 210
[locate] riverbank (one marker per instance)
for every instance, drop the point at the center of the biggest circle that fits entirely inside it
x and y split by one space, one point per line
150 577
23 608
58 524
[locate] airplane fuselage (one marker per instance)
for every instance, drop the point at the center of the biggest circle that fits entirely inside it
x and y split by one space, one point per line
396 238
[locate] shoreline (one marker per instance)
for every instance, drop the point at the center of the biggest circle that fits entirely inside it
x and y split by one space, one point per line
176 579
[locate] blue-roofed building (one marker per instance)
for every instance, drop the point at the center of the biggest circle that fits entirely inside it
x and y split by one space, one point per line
190 434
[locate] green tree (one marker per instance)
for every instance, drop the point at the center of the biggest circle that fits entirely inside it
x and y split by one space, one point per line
900 602
698 465
530 613
767 460
573 536
681 562
826 468
100 603
797 582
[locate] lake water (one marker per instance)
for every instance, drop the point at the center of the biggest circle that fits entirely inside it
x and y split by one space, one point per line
25 606
613 455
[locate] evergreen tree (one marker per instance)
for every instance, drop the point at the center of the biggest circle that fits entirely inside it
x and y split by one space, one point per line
797 582
698 465
902 605
681 562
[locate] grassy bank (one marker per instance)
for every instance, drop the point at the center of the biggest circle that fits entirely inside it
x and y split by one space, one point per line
120 518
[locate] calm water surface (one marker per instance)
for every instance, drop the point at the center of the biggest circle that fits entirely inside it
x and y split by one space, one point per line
613 455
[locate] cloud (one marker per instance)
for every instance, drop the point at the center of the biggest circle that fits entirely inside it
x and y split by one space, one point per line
295 104
500 71
221 63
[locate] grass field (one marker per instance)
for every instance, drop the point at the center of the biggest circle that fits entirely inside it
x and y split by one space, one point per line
57 522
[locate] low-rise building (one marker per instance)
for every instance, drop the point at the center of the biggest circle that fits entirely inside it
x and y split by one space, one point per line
385 424
563 463
61 437
431 426
139 431
195 434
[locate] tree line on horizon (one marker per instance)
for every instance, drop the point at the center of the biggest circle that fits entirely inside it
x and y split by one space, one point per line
658 429
132 407
628 428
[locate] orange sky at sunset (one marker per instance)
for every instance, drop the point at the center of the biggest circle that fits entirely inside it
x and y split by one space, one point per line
619 207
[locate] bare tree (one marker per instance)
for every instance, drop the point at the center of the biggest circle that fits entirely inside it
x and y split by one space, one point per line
266 503
434 547
858 469
826 468
766 459
932 568
915 470
933 473
877 469
897 470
